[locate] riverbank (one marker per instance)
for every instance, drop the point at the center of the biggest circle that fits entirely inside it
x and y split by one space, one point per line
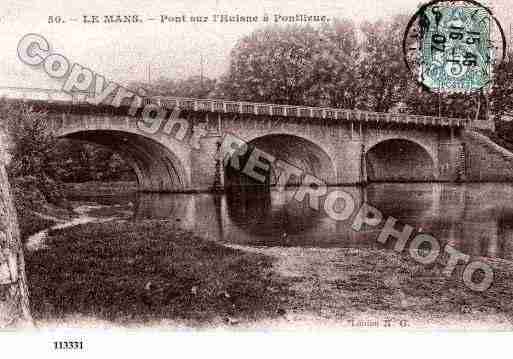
148 272
369 289
130 271
152 273
32 219
36 214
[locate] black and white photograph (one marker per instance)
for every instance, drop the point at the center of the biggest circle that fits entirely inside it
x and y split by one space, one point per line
220 167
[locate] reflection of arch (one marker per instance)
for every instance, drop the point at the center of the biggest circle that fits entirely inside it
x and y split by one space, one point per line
399 159
270 214
415 203
156 167
302 153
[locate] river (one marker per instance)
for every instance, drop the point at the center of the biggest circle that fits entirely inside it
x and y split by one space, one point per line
475 218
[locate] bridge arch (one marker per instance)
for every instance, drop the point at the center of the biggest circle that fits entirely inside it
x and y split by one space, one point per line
295 150
400 159
157 168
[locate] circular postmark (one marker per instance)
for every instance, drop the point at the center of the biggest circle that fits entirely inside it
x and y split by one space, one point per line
453 46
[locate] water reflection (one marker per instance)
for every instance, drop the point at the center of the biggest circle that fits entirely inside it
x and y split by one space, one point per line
476 218
264 213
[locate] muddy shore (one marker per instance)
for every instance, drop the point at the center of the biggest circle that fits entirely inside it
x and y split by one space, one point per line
123 273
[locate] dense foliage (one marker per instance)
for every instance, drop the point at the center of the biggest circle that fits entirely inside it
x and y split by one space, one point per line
192 87
38 163
85 162
37 156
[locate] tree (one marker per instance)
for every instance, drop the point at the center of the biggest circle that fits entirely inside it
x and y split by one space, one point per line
31 141
14 296
82 162
382 73
192 87
502 90
384 79
423 102
32 147
294 65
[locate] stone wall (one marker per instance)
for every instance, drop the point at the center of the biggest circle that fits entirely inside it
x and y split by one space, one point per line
485 160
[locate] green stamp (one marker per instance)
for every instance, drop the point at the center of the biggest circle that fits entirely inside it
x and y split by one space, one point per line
456 49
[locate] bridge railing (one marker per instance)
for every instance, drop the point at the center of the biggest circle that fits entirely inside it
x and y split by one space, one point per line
42 94
242 107
255 108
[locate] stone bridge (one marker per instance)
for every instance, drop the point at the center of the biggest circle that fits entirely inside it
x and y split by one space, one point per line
181 153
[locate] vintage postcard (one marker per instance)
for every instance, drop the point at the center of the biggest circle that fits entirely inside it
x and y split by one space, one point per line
255 166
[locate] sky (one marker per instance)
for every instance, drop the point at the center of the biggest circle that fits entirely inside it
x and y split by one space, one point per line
132 52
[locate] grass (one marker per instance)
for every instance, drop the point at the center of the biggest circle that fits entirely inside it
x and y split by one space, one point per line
30 223
149 272
336 285
130 273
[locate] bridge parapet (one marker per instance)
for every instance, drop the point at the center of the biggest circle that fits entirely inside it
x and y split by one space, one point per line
242 107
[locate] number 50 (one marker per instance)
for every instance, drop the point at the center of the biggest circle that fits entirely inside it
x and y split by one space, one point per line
54 19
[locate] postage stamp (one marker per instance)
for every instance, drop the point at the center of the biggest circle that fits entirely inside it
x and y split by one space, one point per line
457 46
